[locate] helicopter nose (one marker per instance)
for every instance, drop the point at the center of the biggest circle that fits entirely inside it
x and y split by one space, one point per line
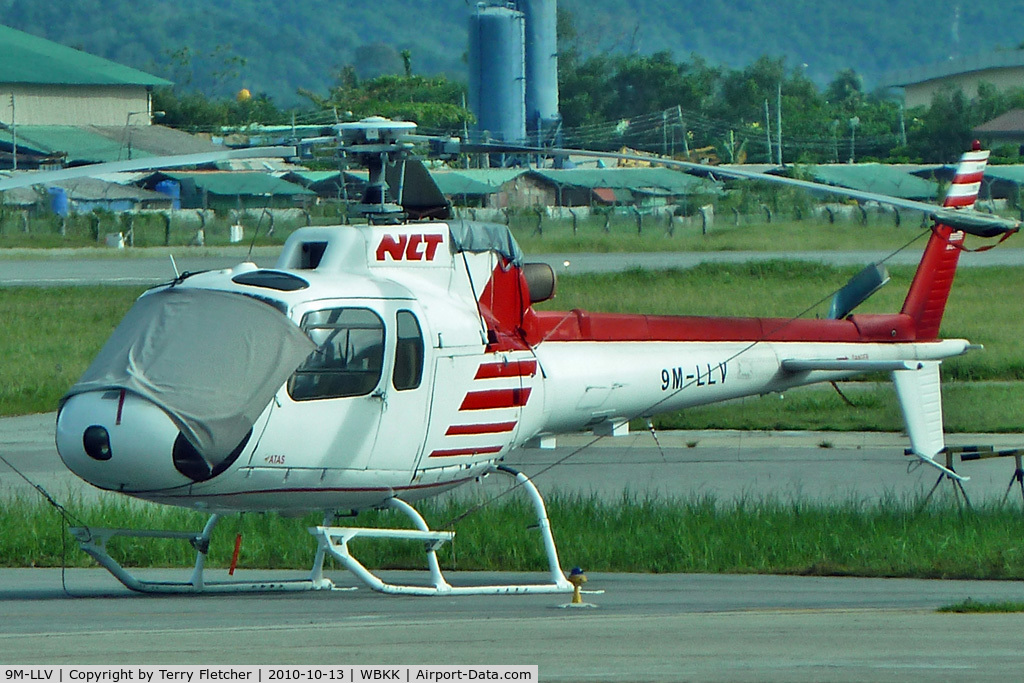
119 441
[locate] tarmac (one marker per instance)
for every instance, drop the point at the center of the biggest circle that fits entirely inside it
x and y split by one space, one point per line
642 628
71 267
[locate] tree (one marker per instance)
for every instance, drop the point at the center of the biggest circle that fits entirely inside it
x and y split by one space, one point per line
433 103
943 131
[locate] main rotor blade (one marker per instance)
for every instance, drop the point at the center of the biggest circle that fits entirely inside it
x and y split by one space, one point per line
972 222
149 163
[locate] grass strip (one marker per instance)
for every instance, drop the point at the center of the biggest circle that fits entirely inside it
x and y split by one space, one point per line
971 606
55 332
887 538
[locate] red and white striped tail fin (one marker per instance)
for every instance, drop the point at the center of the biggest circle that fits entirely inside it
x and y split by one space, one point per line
967 181
929 292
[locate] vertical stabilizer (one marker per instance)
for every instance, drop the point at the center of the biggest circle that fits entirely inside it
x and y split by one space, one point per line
920 399
926 300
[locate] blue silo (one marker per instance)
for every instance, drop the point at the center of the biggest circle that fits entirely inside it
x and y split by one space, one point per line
541 18
497 73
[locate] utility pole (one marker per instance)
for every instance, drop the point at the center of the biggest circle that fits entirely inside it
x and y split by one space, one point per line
778 119
664 133
854 122
903 127
14 136
768 129
682 127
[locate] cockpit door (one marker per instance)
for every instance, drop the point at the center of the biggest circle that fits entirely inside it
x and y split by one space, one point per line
327 415
405 393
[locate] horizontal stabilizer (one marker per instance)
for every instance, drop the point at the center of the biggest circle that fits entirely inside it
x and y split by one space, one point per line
843 365
976 223
857 290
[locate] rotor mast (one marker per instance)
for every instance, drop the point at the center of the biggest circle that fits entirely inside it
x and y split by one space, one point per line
378 143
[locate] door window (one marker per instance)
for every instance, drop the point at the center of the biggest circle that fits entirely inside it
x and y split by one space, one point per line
348 358
408 371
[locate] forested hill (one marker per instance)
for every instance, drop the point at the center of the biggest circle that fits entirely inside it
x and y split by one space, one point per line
276 47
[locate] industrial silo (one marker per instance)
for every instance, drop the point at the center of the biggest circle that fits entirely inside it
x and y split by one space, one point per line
497 73
541 67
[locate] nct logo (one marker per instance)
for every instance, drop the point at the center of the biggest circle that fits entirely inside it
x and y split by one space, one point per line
408 247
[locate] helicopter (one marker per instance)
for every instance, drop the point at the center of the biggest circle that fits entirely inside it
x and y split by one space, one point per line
378 365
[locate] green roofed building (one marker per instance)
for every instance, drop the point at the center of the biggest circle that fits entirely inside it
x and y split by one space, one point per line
492 188
620 186
877 178
227 190
54 85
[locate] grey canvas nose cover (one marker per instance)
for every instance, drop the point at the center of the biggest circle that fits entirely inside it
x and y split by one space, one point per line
212 360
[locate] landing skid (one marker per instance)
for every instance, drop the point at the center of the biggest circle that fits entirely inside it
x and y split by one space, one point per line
94 542
332 541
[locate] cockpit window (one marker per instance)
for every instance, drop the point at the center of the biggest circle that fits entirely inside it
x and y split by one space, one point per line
348 358
408 371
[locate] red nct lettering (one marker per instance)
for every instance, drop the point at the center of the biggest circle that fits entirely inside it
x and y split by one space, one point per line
413 253
394 248
432 242
409 247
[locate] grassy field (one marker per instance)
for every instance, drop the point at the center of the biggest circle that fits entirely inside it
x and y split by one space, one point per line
54 333
780 235
854 537
50 337
556 236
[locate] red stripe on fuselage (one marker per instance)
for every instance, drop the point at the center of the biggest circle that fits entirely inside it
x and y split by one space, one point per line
516 368
489 428
456 452
619 327
495 398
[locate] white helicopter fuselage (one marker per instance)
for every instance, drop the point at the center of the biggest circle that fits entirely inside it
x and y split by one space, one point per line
416 386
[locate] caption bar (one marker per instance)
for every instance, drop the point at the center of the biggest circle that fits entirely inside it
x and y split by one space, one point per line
262 674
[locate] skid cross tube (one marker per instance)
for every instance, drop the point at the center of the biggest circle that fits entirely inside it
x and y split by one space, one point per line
334 541
94 542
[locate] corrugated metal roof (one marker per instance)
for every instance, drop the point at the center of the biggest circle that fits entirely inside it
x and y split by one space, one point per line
314 176
79 144
94 189
107 143
877 178
474 181
231 183
929 72
156 140
646 180
25 58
